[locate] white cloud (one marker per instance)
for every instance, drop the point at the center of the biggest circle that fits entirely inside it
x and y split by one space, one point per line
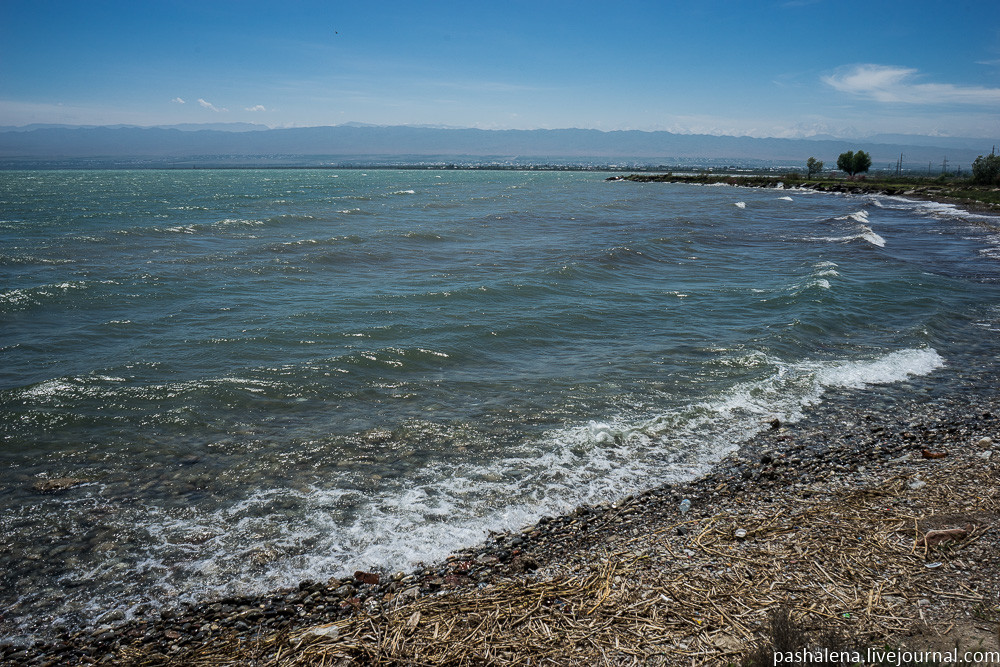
257 107
209 105
884 83
178 100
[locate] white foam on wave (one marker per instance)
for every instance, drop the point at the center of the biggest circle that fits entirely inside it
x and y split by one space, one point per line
278 537
785 199
868 235
28 296
405 192
865 232
872 237
933 209
48 389
741 204
826 269
858 216
893 367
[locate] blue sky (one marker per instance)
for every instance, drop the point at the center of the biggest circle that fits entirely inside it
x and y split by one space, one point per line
785 69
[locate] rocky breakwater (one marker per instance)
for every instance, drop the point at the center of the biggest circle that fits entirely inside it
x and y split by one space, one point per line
977 199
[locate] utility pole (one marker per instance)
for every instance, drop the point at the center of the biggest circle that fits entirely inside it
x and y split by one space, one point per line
944 165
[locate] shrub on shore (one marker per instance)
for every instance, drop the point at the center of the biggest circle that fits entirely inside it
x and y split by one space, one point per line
986 170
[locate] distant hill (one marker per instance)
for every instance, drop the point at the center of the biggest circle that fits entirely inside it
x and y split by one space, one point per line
188 127
256 144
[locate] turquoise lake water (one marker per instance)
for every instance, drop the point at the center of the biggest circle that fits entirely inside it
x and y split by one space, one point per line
265 376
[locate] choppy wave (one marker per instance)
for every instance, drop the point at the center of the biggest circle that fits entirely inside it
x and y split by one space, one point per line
867 234
40 295
368 521
28 260
932 209
863 230
263 389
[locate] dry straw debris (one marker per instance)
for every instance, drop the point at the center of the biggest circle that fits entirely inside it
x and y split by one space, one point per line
865 561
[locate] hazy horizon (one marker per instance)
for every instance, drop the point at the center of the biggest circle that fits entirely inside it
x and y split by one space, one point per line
894 139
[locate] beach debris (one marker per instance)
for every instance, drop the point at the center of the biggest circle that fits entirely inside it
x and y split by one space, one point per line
774 423
934 537
933 566
985 442
411 593
685 505
916 483
370 578
325 631
928 454
986 456
741 533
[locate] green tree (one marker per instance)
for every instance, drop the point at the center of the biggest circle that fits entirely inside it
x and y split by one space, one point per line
986 170
854 163
814 166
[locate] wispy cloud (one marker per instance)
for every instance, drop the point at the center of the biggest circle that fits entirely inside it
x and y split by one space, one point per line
178 100
884 83
209 105
256 107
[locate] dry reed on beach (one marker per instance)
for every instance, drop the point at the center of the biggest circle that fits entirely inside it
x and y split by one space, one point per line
846 559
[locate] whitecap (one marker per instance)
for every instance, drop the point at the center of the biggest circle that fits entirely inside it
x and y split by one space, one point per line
826 268
858 216
869 235
741 204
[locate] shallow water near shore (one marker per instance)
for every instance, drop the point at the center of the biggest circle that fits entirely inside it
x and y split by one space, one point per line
257 377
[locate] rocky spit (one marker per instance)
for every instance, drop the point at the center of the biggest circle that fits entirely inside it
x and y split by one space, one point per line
929 191
915 447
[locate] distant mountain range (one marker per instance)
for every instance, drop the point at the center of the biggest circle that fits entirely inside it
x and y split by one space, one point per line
240 143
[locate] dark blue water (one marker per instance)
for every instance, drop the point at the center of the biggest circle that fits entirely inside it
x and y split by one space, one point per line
264 376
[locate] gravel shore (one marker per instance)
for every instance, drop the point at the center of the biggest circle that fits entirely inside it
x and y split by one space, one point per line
826 517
